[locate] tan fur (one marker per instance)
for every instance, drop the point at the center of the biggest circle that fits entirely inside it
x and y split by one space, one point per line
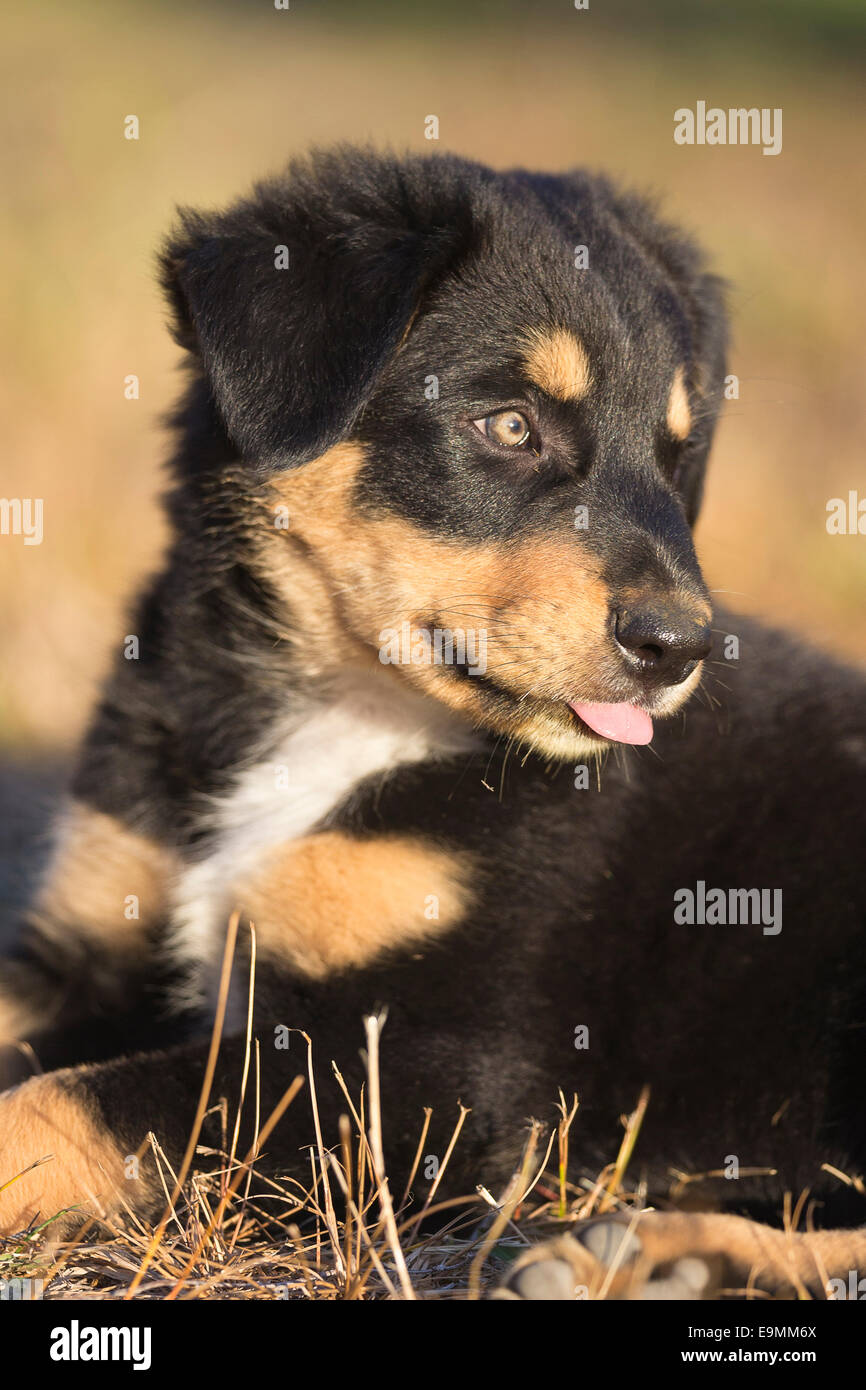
774 1259
557 362
97 864
349 575
679 418
329 902
40 1120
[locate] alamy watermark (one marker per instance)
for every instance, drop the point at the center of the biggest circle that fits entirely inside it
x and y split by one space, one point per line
24 1290
853 1288
22 516
756 907
438 646
740 125
846 516
77 1343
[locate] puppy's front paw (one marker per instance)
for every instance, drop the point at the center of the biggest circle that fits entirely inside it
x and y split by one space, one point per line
605 1258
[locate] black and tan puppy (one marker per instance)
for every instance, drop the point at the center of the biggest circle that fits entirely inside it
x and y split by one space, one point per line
431 591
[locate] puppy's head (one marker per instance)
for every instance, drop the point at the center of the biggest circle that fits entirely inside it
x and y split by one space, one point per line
475 410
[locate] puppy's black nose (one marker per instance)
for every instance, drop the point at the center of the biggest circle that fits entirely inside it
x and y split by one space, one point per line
661 648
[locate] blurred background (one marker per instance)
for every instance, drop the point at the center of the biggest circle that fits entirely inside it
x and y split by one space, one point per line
225 92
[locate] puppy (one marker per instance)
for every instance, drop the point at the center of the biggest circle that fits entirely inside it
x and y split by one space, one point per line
416 692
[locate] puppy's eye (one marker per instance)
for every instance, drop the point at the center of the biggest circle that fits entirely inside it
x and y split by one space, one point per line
505 427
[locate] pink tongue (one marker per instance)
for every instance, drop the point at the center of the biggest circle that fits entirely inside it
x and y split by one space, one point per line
622 723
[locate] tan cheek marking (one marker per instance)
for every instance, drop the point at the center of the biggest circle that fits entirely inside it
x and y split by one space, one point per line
329 902
38 1119
542 605
363 573
97 866
307 559
557 362
679 417
542 601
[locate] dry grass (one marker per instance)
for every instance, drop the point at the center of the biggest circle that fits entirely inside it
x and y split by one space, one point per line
230 1231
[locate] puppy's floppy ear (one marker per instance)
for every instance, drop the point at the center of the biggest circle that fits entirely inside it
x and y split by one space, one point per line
295 299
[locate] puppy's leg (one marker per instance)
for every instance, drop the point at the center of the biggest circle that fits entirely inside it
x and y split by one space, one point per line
682 1256
85 1128
59 1161
81 979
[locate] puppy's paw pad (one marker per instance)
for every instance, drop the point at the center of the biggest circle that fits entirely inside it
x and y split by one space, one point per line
545 1280
686 1281
606 1258
609 1240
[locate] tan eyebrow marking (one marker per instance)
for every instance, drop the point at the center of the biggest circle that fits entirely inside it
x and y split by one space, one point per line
679 417
557 362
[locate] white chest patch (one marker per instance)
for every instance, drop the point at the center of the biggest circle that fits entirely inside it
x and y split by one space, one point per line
307 769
